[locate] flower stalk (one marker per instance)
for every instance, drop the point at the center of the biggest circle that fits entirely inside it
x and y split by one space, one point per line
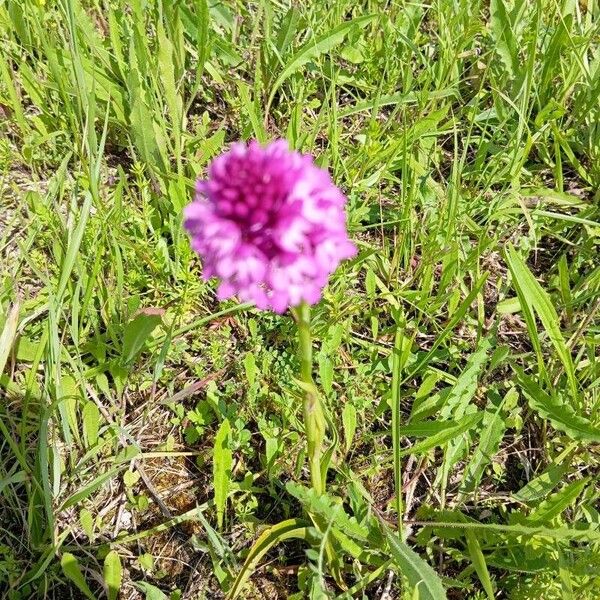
314 427
314 419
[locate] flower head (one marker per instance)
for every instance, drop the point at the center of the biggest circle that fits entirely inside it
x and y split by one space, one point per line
269 224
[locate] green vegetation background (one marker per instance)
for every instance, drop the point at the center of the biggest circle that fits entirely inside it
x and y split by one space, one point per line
466 135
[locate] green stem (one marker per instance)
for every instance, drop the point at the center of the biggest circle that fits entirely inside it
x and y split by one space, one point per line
396 423
314 420
314 425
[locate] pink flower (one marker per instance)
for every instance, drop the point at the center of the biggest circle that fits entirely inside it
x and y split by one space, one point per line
269 224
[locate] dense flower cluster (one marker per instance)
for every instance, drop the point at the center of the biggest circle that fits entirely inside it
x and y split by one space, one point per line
269 224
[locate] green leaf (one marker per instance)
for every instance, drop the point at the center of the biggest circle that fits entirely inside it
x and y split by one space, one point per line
533 298
252 110
478 560
508 306
202 21
421 577
445 434
151 591
91 423
250 367
9 333
91 487
130 478
314 48
583 533
26 349
146 561
326 373
137 331
494 427
329 510
6 73
504 39
86 520
167 76
113 574
558 502
292 528
349 423
401 98
18 477
75 239
543 484
287 30
398 362
561 414
142 124
425 429
464 389
222 463
70 567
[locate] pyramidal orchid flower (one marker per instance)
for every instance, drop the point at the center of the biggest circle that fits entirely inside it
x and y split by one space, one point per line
269 224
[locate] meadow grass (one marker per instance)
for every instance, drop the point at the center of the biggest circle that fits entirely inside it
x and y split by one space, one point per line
149 435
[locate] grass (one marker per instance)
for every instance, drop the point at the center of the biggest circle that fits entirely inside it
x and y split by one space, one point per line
149 435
